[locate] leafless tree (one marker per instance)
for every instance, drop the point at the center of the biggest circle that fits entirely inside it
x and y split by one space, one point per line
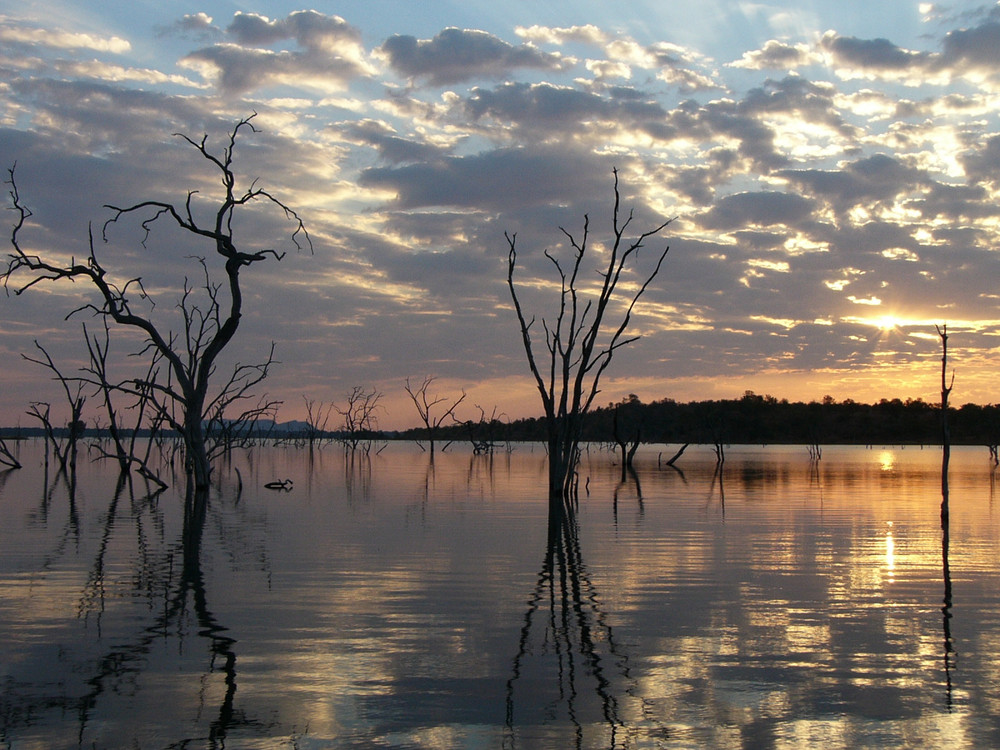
946 387
7 457
317 419
627 432
426 406
486 433
672 461
73 390
191 355
360 416
125 440
579 343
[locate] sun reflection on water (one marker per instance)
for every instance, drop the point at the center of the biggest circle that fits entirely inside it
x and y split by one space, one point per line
890 553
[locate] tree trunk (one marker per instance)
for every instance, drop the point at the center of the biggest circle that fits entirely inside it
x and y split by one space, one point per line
196 454
564 452
558 470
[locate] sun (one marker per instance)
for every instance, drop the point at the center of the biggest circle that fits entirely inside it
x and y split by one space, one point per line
887 323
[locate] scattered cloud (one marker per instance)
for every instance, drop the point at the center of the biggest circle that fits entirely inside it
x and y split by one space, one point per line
456 55
821 181
198 26
14 32
777 55
327 54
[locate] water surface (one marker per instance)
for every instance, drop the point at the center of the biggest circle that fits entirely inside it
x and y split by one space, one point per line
392 601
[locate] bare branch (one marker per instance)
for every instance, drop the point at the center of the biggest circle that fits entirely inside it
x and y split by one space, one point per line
425 407
209 319
580 345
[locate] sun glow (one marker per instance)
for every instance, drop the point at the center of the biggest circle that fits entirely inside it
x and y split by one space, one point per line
887 323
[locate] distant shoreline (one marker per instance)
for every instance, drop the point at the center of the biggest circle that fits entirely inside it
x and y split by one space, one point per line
750 420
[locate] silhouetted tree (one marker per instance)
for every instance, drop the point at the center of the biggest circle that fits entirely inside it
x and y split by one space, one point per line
7 457
486 432
125 445
945 429
579 343
209 324
317 419
359 414
426 404
73 390
627 431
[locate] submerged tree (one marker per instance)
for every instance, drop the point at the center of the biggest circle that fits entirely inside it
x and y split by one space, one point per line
426 406
360 416
209 322
580 342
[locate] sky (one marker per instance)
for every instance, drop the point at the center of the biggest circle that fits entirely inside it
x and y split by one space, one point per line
831 169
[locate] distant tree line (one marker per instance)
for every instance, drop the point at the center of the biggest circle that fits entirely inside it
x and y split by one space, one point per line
761 419
750 419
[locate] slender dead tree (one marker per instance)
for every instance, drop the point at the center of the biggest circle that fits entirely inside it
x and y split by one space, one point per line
191 355
946 387
579 343
124 441
73 390
426 404
628 436
317 419
360 416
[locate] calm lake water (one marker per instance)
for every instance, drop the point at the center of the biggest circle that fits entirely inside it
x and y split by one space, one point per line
399 603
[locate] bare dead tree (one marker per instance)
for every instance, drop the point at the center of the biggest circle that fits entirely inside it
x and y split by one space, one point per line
360 416
317 419
579 343
234 418
191 356
673 459
946 387
426 404
7 457
483 434
627 436
126 448
73 390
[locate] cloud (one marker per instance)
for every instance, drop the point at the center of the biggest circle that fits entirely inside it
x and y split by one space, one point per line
329 54
391 146
779 55
672 63
977 48
197 25
586 34
503 179
982 163
456 55
19 33
965 53
878 179
762 209
875 55
539 105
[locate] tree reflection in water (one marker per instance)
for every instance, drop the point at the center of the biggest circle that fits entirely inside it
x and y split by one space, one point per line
949 646
569 668
105 682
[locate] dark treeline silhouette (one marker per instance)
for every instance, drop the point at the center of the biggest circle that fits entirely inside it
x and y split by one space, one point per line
751 419
755 419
